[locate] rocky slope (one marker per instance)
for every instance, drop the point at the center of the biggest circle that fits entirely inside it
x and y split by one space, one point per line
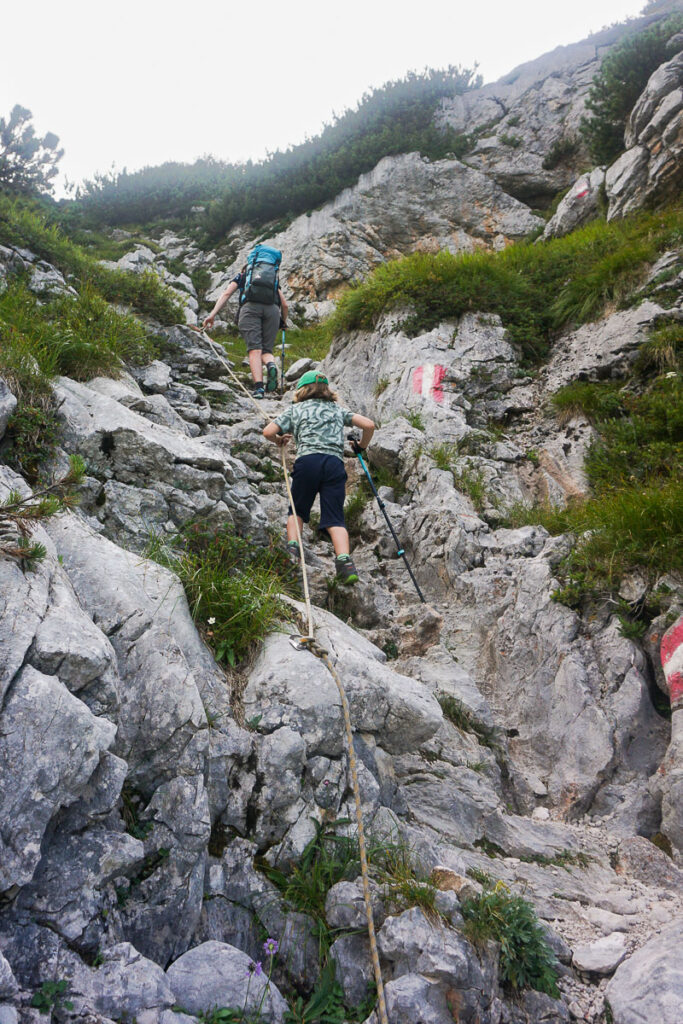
143 788
522 147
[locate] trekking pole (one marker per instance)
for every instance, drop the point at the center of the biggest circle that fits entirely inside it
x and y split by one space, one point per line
399 550
282 365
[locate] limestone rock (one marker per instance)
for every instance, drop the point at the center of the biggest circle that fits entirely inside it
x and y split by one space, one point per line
650 169
579 205
125 984
49 747
186 349
8 404
603 955
8 983
153 378
404 204
121 447
142 608
298 369
353 966
161 912
603 349
293 688
217 974
649 985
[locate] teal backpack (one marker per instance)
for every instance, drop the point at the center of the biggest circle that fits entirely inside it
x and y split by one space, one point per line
262 282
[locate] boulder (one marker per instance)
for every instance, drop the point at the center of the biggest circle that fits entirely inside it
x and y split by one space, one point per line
50 744
298 369
125 984
295 689
8 404
650 169
649 985
216 974
581 204
602 956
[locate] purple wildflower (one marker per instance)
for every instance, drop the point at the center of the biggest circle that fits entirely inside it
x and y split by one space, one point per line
254 968
271 946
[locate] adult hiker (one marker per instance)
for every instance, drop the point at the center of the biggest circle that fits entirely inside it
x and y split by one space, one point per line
317 422
262 311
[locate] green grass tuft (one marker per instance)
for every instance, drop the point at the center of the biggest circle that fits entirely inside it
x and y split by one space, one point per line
536 289
79 337
233 586
526 959
27 225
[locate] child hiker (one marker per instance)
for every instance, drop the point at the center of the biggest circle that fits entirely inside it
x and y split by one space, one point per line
317 423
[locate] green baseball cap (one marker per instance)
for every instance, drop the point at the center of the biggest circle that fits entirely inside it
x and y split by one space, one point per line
311 377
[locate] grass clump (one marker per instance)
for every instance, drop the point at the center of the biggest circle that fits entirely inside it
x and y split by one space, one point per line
662 352
632 520
28 225
460 716
80 337
596 401
536 289
471 482
233 586
526 959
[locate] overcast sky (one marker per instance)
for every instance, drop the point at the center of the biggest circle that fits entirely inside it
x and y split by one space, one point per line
138 82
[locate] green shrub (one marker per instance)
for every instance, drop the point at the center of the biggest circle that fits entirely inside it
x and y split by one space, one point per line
618 84
50 997
471 482
596 401
233 586
513 141
662 351
526 959
80 337
456 712
29 225
536 289
560 152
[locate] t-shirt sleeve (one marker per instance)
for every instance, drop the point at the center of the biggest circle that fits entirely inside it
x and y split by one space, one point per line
238 279
348 417
285 421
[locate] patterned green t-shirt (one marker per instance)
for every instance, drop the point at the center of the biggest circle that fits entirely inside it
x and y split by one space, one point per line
317 426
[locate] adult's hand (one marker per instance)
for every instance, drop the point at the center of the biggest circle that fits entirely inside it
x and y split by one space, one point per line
282 439
208 321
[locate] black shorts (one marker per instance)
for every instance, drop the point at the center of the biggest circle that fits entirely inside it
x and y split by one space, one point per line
324 475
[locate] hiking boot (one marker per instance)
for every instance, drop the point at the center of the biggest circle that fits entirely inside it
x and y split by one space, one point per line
293 551
259 391
271 377
345 569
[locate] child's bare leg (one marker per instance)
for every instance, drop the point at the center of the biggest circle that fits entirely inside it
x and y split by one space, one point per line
340 539
255 365
291 527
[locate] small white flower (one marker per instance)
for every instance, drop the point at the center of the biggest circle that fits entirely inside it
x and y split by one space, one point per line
211 620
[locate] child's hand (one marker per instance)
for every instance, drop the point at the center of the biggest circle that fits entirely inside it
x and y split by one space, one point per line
282 439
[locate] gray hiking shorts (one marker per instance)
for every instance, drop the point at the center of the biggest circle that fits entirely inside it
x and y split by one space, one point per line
258 325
